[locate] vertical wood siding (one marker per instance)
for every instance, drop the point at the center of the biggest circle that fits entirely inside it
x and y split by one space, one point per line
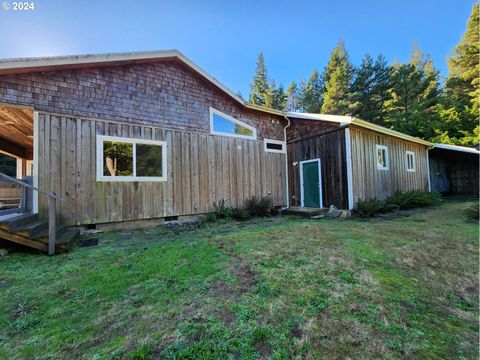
369 182
201 170
330 148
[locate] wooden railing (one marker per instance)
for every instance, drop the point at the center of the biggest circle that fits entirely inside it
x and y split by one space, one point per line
52 204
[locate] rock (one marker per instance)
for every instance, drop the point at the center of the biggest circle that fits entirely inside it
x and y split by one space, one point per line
333 212
346 214
3 252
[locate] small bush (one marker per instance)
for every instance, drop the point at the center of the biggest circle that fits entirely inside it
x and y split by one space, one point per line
240 214
259 206
413 199
226 212
472 212
211 217
222 211
369 207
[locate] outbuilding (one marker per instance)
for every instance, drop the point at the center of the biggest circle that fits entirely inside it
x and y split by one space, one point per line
454 170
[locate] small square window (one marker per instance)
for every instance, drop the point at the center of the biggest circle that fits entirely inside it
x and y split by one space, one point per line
382 157
410 161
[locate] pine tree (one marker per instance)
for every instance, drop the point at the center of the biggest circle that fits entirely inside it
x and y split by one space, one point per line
259 89
311 96
292 97
280 98
337 77
414 94
459 111
370 89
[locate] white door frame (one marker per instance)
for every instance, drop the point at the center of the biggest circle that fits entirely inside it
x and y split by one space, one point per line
36 135
319 180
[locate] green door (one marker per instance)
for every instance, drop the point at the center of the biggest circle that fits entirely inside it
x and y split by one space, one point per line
311 190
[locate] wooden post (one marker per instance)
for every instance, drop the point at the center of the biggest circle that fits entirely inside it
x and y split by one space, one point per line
52 231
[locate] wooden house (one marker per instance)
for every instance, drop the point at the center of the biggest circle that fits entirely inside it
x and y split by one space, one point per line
112 138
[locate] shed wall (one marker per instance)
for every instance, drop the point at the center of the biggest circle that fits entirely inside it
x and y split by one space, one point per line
328 144
368 181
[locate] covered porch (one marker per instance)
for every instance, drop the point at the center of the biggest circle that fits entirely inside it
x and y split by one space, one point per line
16 157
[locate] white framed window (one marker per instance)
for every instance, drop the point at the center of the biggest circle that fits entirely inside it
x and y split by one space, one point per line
226 125
275 146
128 159
382 157
410 161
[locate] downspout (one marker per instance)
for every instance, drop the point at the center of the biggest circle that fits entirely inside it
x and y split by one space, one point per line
286 163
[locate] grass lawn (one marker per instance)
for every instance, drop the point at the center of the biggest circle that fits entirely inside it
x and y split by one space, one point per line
400 286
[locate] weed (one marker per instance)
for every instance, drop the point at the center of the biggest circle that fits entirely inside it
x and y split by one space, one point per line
369 207
413 199
259 206
472 212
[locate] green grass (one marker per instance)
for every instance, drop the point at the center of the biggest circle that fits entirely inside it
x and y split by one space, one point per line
400 286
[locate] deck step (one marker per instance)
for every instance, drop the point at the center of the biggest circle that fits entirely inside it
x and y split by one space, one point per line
21 220
66 239
31 228
27 229
43 233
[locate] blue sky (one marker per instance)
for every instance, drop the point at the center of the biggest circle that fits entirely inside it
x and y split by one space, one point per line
225 37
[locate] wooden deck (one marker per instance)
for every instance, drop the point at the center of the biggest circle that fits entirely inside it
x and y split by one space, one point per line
28 230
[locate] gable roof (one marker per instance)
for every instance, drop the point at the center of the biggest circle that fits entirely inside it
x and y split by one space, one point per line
52 63
350 120
457 148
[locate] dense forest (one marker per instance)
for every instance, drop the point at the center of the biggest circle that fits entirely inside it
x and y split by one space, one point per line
408 97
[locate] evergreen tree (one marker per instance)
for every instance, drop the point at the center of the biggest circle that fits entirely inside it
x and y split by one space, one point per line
414 94
280 98
459 111
259 89
292 97
337 77
311 96
370 89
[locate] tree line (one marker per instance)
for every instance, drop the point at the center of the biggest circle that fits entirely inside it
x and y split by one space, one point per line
407 97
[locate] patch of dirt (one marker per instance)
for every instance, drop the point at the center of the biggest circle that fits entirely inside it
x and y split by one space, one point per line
296 331
263 349
408 261
221 289
244 273
225 315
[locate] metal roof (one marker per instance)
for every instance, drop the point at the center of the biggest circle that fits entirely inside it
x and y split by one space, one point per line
350 120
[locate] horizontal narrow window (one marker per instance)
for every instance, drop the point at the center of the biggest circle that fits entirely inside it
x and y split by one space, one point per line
382 157
223 124
276 146
410 161
126 159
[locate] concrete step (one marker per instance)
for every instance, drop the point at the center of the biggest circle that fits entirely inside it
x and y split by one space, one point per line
304 212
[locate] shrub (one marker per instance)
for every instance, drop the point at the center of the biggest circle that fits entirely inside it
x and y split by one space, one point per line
369 207
222 211
240 214
413 199
226 212
472 212
259 206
